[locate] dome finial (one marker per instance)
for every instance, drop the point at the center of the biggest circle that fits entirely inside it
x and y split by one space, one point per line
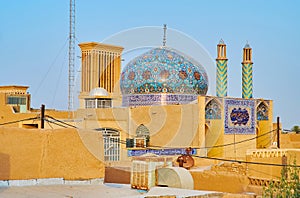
247 45
221 41
165 35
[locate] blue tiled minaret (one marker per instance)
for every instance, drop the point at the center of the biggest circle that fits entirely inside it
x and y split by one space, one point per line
221 70
247 77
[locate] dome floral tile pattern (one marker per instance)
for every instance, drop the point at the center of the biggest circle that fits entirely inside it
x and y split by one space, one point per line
163 70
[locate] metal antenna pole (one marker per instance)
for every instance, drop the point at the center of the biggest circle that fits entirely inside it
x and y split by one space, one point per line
71 56
165 35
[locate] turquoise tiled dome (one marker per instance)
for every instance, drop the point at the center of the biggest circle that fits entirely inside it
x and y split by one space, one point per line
163 70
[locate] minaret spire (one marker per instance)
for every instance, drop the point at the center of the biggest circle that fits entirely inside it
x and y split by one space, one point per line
221 70
165 35
247 78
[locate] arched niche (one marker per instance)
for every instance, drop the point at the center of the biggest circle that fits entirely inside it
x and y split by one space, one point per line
213 110
262 111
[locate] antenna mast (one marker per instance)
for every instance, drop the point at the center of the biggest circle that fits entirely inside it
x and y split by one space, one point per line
71 56
165 35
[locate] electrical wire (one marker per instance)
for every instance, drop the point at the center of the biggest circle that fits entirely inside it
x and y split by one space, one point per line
240 147
239 142
62 122
262 172
209 147
58 81
17 121
231 160
50 67
55 123
50 125
245 162
202 157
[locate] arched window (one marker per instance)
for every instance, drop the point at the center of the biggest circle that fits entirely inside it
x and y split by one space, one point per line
111 141
262 112
142 136
142 131
212 110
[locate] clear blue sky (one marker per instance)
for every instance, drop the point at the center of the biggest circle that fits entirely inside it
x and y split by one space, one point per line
34 48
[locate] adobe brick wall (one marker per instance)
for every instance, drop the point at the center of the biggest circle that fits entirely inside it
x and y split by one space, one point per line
59 153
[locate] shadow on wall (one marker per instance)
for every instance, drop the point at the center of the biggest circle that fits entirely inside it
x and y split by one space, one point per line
4 168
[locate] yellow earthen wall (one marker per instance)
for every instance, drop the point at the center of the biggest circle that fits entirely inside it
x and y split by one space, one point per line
290 140
239 150
63 153
222 181
265 141
265 126
7 115
201 126
172 125
215 136
269 156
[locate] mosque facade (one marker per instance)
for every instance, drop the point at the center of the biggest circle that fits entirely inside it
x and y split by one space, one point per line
159 104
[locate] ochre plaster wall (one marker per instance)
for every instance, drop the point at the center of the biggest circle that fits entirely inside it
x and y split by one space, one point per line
113 118
270 156
172 125
265 140
239 150
63 153
214 136
7 114
290 140
222 181
264 126
201 126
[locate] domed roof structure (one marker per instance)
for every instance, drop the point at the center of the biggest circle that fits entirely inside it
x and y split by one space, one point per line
163 71
98 92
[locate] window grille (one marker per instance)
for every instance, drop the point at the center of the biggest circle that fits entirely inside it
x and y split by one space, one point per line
111 141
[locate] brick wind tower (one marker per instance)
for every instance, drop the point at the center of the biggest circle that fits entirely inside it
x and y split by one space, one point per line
247 78
100 68
221 70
